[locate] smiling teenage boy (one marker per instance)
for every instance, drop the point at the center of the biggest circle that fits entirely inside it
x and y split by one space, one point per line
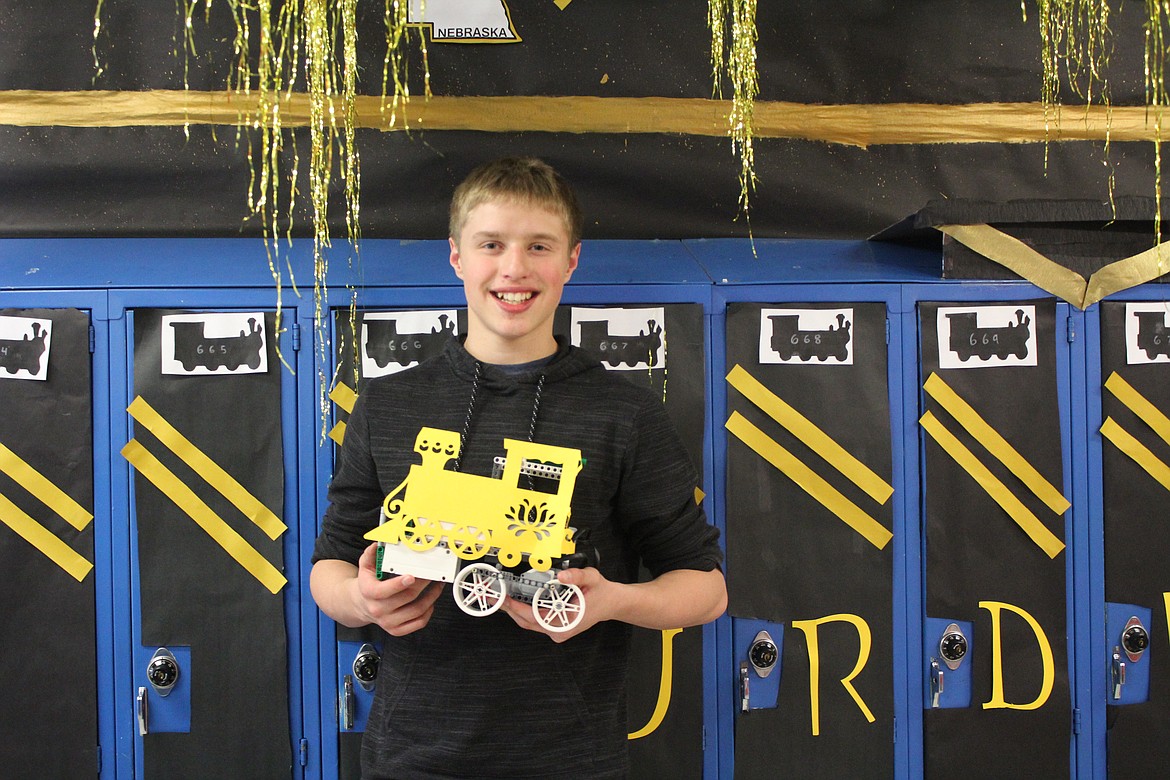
500 696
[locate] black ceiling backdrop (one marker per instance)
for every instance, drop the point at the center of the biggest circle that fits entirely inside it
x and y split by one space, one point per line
159 181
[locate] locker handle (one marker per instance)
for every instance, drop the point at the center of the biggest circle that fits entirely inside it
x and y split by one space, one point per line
936 682
744 688
348 704
1118 671
142 707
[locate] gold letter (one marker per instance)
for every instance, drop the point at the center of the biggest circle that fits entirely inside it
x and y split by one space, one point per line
664 685
997 700
809 627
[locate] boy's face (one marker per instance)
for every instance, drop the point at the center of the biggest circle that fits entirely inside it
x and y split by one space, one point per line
514 261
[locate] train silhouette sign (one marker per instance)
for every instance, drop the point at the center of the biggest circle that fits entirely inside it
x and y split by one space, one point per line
808 336
623 339
24 347
394 341
214 343
1147 335
986 336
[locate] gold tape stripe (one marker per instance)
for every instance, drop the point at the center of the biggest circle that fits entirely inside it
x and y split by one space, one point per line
44 490
1048 275
338 433
41 538
343 396
1139 405
816 439
850 124
1031 525
1017 256
1137 451
207 468
184 498
1127 272
806 479
996 444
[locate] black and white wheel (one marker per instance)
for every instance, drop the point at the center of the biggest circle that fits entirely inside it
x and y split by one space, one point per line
558 606
478 589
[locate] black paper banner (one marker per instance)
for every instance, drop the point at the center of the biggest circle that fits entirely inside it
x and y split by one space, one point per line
47 619
192 591
997 361
791 555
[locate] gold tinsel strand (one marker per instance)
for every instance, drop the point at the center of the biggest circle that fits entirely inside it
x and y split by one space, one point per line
736 58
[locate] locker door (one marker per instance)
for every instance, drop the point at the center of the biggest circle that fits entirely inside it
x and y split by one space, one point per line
994 430
54 540
213 580
1131 482
811 547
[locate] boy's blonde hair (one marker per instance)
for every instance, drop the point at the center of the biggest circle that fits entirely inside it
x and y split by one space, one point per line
525 180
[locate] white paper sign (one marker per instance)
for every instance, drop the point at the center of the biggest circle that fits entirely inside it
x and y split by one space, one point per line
986 336
806 336
393 341
624 339
214 344
1147 335
24 347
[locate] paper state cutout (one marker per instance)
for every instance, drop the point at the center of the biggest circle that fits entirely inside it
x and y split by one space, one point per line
986 336
665 683
475 515
45 491
223 534
464 21
828 496
999 492
1139 405
43 539
1048 275
808 433
624 339
24 347
995 443
802 336
208 469
394 341
1147 337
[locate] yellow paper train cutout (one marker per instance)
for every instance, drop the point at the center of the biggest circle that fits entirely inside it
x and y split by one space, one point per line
475 515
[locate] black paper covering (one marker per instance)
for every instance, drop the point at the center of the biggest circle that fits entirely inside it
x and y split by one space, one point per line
1137 541
192 592
168 181
789 558
46 617
975 552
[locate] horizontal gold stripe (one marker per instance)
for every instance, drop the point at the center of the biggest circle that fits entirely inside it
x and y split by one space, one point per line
1139 405
224 535
999 492
812 436
789 465
853 125
44 490
41 538
995 443
208 469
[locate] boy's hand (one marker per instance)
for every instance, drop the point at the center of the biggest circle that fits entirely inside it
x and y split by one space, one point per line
600 594
400 605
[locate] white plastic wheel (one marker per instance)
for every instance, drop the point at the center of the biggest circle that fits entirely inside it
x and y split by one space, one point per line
478 589
558 606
